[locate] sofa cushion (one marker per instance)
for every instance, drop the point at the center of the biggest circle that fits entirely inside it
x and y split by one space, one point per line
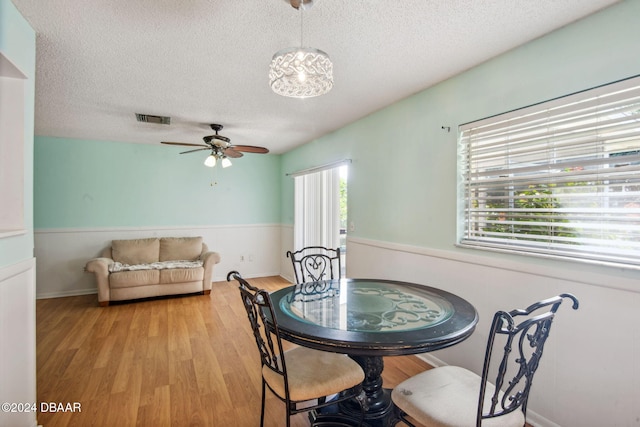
180 248
179 275
128 279
136 251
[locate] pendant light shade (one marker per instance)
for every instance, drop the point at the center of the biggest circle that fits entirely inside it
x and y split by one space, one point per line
301 72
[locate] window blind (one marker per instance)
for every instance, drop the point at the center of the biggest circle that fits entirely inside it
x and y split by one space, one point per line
317 209
560 178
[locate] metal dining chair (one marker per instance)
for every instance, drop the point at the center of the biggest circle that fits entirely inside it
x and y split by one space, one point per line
316 263
456 397
303 378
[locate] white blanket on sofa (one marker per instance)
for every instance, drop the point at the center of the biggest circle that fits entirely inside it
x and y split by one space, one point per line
118 266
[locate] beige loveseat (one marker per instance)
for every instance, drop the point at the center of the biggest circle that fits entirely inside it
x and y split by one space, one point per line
142 268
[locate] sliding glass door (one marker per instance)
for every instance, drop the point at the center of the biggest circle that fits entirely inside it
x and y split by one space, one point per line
320 208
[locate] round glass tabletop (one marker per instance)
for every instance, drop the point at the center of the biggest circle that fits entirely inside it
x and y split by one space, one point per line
373 317
365 306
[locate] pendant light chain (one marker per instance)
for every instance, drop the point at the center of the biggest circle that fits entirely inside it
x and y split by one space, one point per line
301 28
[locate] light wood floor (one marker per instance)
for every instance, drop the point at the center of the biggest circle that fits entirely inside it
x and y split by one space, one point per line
187 361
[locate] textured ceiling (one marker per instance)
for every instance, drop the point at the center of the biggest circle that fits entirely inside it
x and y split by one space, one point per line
207 61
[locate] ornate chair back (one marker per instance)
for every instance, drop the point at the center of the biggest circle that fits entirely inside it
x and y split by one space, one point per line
316 263
514 367
309 368
259 308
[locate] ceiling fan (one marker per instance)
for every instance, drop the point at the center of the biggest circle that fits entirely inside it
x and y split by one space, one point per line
220 147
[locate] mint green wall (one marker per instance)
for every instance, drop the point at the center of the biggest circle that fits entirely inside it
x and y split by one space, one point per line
18 43
84 184
403 180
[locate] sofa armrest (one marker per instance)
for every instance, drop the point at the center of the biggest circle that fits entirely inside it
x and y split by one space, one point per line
209 259
100 267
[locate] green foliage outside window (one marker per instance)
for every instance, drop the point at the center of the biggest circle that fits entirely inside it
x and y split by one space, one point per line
538 219
343 203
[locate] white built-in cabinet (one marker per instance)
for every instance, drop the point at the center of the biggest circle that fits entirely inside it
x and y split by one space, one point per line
12 93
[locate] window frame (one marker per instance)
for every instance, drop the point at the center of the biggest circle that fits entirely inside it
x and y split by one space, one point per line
501 164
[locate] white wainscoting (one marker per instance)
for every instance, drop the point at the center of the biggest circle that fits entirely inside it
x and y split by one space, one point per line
18 341
63 253
286 239
590 372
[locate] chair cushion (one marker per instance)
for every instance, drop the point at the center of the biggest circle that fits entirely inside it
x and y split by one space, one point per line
313 374
136 251
180 248
448 397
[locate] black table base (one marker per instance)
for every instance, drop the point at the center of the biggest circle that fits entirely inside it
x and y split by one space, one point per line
380 410
376 318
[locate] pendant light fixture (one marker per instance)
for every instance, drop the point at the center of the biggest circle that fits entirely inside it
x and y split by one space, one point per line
301 72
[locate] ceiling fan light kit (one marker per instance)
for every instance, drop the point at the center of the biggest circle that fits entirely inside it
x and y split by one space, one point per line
210 161
220 147
301 72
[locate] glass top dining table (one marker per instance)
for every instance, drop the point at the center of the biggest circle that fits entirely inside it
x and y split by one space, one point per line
371 318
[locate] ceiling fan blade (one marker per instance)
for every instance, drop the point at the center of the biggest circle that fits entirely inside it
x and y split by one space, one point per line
250 149
197 149
184 143
230 152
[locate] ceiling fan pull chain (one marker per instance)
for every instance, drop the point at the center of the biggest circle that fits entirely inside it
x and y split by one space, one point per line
213 178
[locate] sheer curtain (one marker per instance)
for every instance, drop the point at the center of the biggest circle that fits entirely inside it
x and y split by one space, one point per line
317 209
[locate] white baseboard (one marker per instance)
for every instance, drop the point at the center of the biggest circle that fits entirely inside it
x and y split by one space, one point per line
78 292
287 277
223 276
63 294
431 360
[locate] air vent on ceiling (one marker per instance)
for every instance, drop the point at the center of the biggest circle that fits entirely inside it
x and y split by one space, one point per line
160 120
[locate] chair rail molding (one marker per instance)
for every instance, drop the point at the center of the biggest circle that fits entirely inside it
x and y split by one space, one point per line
625 279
